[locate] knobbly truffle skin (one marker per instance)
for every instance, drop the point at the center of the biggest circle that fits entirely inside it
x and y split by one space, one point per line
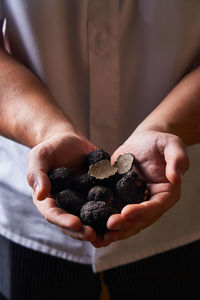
117 204
83 183
132 189
100 193
95 156
96 214
61 179
71 201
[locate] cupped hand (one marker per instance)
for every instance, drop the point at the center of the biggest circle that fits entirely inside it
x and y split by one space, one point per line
161 158
59 150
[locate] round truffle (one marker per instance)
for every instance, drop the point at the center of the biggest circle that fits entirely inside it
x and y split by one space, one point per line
61 179
83 183
71 201
95 156
100 193
96 214
132 189
117 204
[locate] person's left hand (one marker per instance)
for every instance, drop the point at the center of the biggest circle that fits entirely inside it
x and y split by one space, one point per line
161 158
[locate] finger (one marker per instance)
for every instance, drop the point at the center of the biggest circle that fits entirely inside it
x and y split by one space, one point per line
116 154
39 182
129 229
177 161
100 242
85 234
56 215
116 221
156 206
38 166
113 236
124 224
157 188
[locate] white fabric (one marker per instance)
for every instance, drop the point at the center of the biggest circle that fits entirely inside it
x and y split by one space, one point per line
107 64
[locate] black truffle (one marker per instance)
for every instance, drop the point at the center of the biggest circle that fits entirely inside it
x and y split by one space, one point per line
95 156
103 173
100 193
132 189
117 204
61 179
71 201
83 183
96 214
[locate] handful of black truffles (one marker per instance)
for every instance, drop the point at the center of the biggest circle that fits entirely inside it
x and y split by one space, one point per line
101 190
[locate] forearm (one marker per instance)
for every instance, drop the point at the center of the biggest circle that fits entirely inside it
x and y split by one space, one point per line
179 112
28 113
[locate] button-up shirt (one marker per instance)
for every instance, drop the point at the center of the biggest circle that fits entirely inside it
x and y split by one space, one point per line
108 64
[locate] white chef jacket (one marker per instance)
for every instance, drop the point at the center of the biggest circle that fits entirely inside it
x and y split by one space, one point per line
108 64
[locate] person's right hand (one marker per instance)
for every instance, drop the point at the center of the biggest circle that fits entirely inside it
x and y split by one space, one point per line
57 151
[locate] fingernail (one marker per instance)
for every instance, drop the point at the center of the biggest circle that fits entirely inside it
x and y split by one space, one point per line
37 189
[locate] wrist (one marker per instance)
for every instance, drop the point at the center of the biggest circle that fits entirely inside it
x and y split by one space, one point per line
39 119
151 125
46 130
189 135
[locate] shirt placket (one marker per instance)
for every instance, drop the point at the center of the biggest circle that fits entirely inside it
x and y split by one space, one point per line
103 49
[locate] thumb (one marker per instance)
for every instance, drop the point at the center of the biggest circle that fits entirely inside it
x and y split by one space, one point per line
37 175
120 151
39 182
177 162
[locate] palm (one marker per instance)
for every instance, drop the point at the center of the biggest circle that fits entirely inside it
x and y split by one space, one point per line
148 151
66 150
60 150
152 151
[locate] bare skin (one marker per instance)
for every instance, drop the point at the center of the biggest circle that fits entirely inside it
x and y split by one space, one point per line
158 144
161 159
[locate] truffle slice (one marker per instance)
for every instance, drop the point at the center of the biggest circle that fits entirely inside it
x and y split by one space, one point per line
132 189
95 156
124 163
103 173
71 201
61 179
100 193
96 214
102 169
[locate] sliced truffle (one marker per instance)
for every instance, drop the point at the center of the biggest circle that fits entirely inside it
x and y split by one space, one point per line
100 193
132 189
61 179
96 214
124 163
95 156
71 201
83 183
103 172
